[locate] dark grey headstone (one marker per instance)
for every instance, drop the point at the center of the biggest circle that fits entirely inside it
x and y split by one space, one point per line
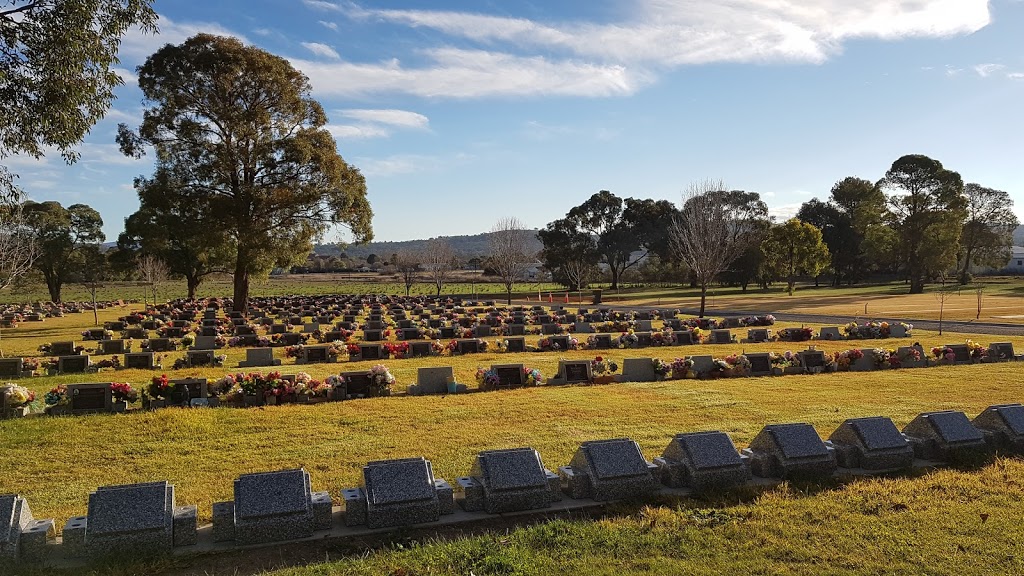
954 427
705 450
398 481
618 458
878 433
510 469
271 493
130 508
797 440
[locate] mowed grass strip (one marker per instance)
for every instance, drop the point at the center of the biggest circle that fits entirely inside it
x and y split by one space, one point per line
56 462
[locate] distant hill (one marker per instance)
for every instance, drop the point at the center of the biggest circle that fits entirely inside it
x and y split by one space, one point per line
466 246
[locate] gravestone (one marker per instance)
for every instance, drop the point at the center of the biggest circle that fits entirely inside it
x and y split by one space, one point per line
208 331
371 351
961 352
1001 351
174 332
515 344
549 329
469 346
199 358
758 335
898 331
398 493
62 349
643 326
255 357
434 381
865 363
243 329
137 333
188 389
702 365
410 333
140 360
374 325
637 370
702 461
372 335
946 436
872 444
420 349
447 332
205 343
86 398
482 330
434 323
789 451
10 368
315 354
560 342
721 337
608 470
573 372
583 328
278 328
137 517
907 362
643 339
760 363
22 537
1003 427
357 383
504 481
517 329
812 360
159 345
292 338
684 338
72 364
509 375
271 506
830 333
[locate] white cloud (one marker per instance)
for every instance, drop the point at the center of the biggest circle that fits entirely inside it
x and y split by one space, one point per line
535 130
986 70
783 212
330 25
322 5
127 76
136 46
395 165
673 33
360 131
397 118
1015 75
456 73
322 50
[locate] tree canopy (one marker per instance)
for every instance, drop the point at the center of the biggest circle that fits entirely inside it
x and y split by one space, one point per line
238 134
987 233
56 71
793 248
61 235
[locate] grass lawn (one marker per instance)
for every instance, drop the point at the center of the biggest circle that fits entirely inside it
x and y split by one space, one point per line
925 525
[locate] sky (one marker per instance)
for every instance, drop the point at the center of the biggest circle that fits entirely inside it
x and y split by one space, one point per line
462 112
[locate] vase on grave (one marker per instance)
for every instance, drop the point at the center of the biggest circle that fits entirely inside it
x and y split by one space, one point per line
119 406
453 387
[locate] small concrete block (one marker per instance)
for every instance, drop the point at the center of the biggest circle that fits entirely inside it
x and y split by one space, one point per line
186 526
355 506
34 538
554 485
223 521
470 494
574 484
73 536
322 510
445 496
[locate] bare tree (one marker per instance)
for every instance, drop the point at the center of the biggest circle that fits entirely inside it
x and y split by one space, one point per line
440 260
18 248
508 247
708 235
153 271
407 264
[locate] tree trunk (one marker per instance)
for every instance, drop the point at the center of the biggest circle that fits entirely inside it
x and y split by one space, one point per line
703 298
193 284
53 287
916 285
241 296
615 278
508 294
965 274
95 313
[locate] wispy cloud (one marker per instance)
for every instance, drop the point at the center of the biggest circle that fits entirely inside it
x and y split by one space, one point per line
360 131
330 25
397 118
136 46
321 50
986 70
1015 75
322 5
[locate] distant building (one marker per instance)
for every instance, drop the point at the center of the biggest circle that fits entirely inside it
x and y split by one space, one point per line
1016 263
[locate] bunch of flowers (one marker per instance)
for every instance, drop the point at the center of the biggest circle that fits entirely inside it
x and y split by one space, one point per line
547 345
944 353
190 339
437 348
30 364
16 396
628 340
661 368
681 367
44 349
452 347
112 362
738 361
664 338
895 361
123 392
397 350
911 354
766 320
880 357
796 334
532 377
381 379
845 358
977 351
487 379
599 366
702 323
780 360
720 366
613 326
160 387
57 396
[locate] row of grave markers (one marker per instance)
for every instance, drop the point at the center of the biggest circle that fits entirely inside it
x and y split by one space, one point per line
281 505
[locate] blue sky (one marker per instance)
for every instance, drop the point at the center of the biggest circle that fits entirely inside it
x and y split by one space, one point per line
464 112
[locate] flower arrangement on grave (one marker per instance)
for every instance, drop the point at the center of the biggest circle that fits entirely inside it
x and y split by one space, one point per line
437 348
613 326
661 368
16 396
487 379
681 367
501 345
189 339
123 392
663 338
895 360
628 339
702 323
944 353
397 350
978 351
599 366
754 321
452 347
801 334
546 345
112 362
296 351
739 362
910 355
845 358
380 380
29 364
44 348
880 357
532 377
57 396
160 387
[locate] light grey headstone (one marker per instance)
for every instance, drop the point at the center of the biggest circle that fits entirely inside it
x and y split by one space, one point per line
638 370
115 510
205 343
434 380
830 333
